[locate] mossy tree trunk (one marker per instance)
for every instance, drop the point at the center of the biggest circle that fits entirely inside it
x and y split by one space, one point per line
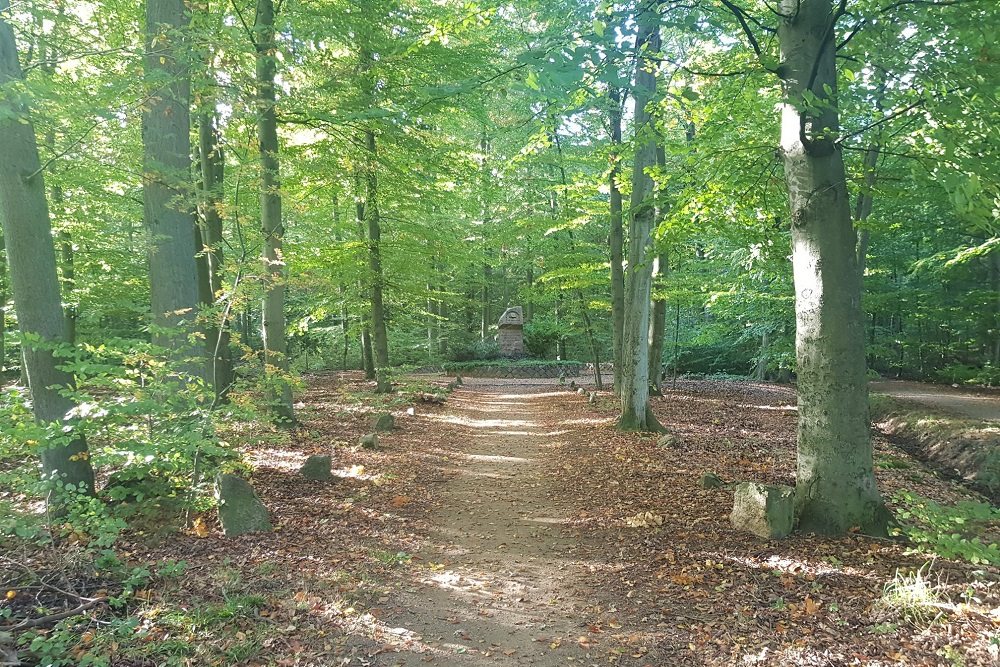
636 414
835 480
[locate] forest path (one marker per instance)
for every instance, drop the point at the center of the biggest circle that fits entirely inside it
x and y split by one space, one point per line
505 577
984 406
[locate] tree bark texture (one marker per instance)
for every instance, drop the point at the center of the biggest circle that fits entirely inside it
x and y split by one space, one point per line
380 336
616 238
31 257
167 203
272 224
636 414
212 180
835 481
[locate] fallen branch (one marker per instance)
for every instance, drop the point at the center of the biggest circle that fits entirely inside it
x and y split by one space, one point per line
52 618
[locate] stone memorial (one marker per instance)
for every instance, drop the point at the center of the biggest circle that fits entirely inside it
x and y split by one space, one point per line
240 508
317 468
511 336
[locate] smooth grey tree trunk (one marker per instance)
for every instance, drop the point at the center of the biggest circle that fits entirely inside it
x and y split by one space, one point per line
212 182
271 222
31 257
658 316
168 206
657 331
616 238
835 480
636 414
3 302
380 336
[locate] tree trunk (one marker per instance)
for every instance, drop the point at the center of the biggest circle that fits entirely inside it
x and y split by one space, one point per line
863 208
168 210
272 225
212 180
760 370
636 414
34 280
3 303
658 317
380 337
657 330
616 239
835 481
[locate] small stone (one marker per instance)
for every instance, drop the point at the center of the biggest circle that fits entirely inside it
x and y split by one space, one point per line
369 441
667 441
240 508
709 480
766 510
458 380
317 467
581 391
592 398
383 422
410 411
562 377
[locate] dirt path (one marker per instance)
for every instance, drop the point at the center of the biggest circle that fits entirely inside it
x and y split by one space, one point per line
963 403
504 576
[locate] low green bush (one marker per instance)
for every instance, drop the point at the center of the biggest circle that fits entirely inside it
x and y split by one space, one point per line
961 531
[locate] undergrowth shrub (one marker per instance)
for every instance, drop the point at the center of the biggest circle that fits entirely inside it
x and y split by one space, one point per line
968 530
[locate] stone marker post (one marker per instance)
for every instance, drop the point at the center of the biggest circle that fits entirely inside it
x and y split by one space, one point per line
511 336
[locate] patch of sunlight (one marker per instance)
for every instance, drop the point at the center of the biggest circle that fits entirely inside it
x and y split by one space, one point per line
796 566
279 459
545 394
453 581
546 519
783 408
493 458
480 423
357 472
493 434
589 421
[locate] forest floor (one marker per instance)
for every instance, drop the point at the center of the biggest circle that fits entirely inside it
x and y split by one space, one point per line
514 525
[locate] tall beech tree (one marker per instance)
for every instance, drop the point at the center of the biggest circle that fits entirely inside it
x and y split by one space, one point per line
31 256
835 480
636 413
167 188
271 221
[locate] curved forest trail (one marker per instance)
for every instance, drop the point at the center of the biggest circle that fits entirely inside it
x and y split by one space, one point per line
963 403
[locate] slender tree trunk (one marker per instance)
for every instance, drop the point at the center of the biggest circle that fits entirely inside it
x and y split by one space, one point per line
212 179
835 481
658 316
636 414
34 280
760 371
168 210
367 354
272 224
616 239
380 337
3 302
995 257
485 320
529 305
657 331
863 208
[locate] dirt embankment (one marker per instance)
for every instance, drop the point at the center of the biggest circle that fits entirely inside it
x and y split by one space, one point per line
952 430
